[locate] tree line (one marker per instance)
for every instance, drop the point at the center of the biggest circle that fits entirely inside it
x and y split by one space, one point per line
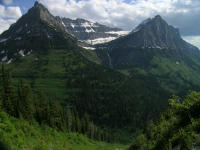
177 129
22 102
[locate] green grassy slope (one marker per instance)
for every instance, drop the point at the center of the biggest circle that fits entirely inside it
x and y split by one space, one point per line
111 99
176 71
18 134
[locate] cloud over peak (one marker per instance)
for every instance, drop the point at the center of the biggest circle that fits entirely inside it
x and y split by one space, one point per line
127 14
8 15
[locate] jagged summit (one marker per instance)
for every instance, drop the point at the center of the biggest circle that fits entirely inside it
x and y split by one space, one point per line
36 4
155 50
155 33
37 30
91 32
157 17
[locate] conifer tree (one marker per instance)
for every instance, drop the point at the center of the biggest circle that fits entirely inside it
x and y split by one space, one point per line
42 109
1 100
8 94
25 97
55 114
83 128
86 124
73 122
77 123
69 118
92 130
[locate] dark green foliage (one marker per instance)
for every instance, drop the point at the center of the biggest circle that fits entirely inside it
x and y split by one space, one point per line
140 143
25 102
42 109
78 126
36 30
8 94
155 51
173 70
45 111
178 127
55 114
107 96
3 146
69 119
85 123
19 134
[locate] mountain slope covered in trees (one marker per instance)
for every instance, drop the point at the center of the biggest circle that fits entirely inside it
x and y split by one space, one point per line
111 99
39 54
177 128
21 102
155 49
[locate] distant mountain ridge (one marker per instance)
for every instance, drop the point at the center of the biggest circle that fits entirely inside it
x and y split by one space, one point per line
155 49
156 33
91 32
55 64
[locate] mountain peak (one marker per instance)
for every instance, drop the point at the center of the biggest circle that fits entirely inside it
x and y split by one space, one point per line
91 32
157 33
158 17
38 5
38 10
36 30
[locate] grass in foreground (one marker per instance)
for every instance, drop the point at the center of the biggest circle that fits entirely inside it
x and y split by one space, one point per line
18 134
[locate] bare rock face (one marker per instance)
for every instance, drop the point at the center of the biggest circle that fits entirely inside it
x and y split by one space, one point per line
91 32
36 31
156 50
156 33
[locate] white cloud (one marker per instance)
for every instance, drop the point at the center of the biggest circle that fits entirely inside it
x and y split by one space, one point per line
8 15
127 15
183 14
194 40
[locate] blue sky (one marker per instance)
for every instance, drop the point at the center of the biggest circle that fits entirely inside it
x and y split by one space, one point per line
23 4
126 14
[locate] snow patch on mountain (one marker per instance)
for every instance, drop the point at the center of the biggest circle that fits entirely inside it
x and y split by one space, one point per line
88 24
90 48
21 52
29 52
9 61
100 40
92 32
85 24
4 58
3 40
63 23
3 51
89 30
72 25
119 33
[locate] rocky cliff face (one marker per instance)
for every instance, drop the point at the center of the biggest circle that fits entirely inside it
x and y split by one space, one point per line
36 31
155 33
91 32
154 50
